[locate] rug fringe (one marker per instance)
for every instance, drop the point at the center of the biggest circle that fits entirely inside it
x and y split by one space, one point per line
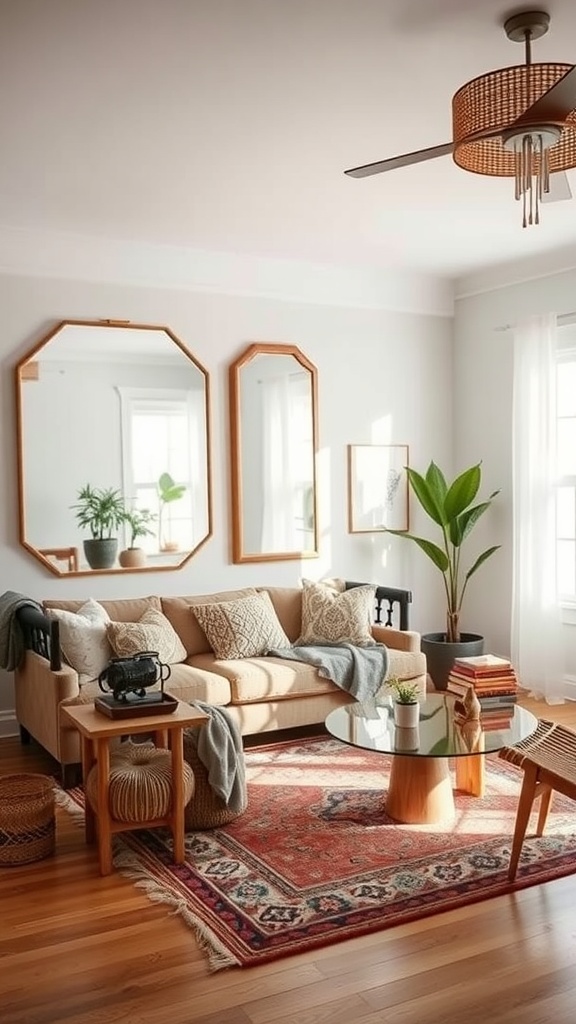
131 867
69 804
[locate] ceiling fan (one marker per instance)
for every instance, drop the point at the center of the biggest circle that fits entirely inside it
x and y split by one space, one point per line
517 122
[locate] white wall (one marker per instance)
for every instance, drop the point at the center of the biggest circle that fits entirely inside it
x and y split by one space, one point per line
384 377
483 371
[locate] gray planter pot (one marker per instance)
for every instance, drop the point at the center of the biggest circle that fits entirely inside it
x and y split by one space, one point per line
440 655
101 554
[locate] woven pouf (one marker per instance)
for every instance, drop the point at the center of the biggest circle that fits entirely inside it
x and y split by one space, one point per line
140 783
206 810
27 820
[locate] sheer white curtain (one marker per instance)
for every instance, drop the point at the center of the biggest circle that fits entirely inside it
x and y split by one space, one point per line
278 522
536 641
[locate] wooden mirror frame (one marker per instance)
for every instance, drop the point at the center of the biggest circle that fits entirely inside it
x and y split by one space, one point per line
239 552
26 370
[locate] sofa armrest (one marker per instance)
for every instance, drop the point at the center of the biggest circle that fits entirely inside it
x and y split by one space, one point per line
391 605
41 635
39 692
399 640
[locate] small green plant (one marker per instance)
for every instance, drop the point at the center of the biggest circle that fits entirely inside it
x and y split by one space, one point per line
451 508
138 519
100 510
404 693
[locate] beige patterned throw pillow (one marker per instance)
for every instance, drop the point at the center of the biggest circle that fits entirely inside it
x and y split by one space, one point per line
83 639
152 632
245 628
329 617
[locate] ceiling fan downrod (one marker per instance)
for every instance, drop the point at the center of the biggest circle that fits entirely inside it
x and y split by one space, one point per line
530 147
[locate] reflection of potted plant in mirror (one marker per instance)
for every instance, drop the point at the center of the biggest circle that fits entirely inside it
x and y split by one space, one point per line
168 491
137 520
406 706
100 510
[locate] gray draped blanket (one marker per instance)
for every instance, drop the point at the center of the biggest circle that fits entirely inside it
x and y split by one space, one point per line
358 670
12 646
219 748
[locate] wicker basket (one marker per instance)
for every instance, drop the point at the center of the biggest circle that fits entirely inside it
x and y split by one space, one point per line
206 809
27 819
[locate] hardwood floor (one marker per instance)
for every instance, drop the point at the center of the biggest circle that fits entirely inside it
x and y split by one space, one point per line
76 948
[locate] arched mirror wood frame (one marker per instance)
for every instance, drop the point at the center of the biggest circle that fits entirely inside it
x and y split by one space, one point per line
144 384
273 398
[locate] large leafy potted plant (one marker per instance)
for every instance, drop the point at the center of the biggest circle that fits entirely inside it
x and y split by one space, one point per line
101 511
453 509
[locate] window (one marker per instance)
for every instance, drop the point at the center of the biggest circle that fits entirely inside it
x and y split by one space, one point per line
160 434
566 463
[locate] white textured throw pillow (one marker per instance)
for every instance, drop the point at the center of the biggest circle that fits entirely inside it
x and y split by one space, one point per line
83 639
329 617
152 632
245 628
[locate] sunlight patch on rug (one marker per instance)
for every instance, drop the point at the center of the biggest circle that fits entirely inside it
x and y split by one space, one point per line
315 859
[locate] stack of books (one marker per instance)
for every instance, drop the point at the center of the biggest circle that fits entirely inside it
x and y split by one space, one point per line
494 680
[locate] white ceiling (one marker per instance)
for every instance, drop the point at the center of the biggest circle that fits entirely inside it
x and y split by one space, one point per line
227 124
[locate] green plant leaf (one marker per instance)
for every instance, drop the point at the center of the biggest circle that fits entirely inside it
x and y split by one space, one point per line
482 558
428 493
462 491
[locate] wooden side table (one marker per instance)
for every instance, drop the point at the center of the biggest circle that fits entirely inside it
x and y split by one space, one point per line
96 731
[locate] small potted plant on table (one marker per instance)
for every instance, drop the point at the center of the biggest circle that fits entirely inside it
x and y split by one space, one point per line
406 704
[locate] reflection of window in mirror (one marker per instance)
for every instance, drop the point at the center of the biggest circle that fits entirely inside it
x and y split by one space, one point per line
287 461
162 432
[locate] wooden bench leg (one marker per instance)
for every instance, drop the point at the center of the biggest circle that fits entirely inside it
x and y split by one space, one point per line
527 795
545 805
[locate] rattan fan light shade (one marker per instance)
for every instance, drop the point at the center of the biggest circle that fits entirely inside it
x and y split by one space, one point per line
491 103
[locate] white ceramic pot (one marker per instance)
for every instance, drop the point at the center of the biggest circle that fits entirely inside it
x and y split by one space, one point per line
406 739
407 716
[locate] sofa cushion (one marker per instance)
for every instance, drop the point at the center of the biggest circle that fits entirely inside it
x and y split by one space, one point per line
287 603
177 610
152 632
241 629
332 617
121 610
189 683
83 638
265 679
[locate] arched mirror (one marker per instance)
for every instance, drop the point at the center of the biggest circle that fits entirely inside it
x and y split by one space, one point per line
113 444
274 442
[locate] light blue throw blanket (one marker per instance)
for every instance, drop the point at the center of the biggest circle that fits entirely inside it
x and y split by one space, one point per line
219 748
358 670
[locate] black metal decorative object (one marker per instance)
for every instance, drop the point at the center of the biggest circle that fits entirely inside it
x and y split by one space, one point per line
126 678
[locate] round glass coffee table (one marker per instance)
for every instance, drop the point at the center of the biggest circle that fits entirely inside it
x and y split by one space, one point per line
420 787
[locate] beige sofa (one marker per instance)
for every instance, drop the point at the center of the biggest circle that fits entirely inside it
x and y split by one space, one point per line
262 693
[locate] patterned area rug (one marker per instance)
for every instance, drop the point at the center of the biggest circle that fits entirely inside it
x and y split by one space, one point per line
315 859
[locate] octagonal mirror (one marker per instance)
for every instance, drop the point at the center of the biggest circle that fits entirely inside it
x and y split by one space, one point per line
273 431
113 445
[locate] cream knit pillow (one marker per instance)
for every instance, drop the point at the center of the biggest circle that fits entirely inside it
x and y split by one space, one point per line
329 617
245 628
152 632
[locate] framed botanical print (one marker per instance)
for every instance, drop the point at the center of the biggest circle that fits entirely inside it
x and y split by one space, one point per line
377 487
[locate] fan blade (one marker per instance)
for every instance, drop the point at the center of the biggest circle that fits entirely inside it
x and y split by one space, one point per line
554 105
400 161
559 188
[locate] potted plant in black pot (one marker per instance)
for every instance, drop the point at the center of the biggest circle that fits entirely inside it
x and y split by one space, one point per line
452 508
137 520
102 511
